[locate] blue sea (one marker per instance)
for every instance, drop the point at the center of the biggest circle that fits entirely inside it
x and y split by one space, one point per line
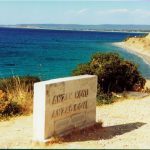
51 54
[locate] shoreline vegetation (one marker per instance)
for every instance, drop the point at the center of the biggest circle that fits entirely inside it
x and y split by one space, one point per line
16 93
116 77
137 45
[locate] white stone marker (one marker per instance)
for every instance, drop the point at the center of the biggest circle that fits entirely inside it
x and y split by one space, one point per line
62 104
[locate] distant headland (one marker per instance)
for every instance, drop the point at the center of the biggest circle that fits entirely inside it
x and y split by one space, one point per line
78 27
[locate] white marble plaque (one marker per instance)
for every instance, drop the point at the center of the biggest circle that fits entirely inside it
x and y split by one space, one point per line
62 104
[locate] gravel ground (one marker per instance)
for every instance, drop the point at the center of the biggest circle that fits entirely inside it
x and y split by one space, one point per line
126 124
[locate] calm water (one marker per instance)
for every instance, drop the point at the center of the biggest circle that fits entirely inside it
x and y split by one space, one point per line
51 54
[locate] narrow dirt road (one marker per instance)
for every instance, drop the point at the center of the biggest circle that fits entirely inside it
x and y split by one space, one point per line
126 124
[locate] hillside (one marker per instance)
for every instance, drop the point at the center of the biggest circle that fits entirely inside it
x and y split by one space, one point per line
126 124
142 44
137 45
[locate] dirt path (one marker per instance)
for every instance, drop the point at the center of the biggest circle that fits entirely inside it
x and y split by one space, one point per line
126 124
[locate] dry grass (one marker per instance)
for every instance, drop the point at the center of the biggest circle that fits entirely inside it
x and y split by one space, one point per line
16 95
21 95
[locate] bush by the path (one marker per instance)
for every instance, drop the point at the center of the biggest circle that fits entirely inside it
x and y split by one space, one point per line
114 74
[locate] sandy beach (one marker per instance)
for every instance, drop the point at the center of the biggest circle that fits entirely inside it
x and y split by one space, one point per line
137 45
144 56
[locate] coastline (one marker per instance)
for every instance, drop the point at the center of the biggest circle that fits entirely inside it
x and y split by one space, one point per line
133 50
89 30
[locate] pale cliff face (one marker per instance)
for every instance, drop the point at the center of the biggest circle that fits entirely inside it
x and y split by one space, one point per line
148 36
140 43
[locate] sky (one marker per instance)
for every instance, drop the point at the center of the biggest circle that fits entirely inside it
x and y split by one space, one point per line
74 12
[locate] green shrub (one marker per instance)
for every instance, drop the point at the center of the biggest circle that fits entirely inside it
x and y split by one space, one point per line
105 98
114 73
